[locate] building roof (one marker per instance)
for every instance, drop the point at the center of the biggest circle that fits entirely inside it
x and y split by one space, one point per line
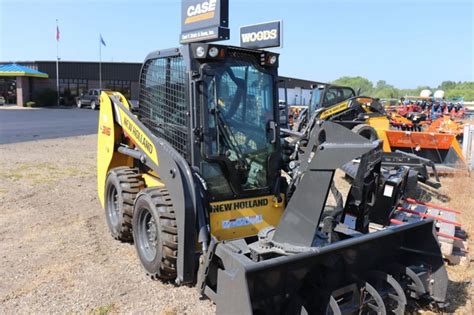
16 70
292 83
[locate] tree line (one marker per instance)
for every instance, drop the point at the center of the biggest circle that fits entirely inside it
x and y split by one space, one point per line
383 90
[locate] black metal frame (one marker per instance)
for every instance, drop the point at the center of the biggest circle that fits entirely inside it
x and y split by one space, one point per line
178 172
199 152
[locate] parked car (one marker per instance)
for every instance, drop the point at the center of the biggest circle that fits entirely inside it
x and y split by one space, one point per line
2 100
89 98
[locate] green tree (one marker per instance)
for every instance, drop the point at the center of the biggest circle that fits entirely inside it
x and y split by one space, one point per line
384 90
366 87
447 85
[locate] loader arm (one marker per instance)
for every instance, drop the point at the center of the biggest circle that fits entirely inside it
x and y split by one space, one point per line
160 157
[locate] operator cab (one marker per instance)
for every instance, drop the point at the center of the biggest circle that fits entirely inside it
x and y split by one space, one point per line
323 96
218 107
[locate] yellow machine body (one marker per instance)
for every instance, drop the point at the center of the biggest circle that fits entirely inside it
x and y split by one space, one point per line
381 124
108 134
334 110
240 218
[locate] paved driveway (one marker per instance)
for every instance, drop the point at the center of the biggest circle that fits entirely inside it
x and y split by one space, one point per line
17 125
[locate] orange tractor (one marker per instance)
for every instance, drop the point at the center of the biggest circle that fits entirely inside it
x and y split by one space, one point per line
367 116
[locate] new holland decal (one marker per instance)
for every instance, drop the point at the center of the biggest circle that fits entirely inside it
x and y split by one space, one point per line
137 135
237 205
334 110
239 218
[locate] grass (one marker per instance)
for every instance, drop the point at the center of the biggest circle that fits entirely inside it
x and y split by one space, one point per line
104 309
40 173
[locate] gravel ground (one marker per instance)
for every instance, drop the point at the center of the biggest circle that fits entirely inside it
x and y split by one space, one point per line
57 256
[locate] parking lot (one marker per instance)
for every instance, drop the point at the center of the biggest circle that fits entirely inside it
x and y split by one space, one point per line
20 124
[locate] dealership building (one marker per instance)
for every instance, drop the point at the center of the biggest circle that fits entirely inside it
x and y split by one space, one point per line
25 81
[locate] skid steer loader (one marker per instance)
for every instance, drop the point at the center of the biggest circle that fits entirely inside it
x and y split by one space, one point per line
193 177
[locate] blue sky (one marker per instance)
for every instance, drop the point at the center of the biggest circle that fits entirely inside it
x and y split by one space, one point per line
407 43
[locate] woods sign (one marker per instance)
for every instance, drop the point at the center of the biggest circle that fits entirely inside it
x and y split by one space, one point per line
262 35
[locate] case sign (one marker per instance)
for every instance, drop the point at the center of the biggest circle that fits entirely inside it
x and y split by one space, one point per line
262 35
204 20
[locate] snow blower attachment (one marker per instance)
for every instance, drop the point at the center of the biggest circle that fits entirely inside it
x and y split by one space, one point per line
312 263
193 177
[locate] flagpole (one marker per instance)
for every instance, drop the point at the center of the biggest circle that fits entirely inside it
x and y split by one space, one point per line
57 63
100 64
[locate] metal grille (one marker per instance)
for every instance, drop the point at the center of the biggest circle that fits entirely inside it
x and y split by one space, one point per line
163 105
245 55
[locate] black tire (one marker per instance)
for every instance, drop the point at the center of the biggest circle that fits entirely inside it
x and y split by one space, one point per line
94 105
121 188
156 233
366 131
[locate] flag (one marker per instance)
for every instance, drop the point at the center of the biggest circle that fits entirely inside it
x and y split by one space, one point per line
57 33
102 40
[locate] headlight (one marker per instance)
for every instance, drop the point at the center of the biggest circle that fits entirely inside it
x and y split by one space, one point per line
272 60
200 52
213 52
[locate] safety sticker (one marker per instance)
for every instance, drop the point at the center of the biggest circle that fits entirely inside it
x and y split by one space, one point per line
242 221
350 221
388 191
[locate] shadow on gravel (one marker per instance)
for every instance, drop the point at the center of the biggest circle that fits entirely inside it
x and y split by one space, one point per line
458 295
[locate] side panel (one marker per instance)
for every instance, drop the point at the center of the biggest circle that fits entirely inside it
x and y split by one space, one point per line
108 134
172 170
241 218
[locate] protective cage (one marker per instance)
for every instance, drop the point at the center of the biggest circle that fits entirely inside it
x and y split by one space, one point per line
163 103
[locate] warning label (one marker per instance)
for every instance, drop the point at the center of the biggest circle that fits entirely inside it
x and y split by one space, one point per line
243 221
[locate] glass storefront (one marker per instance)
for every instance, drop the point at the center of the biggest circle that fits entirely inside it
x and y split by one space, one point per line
8 90
70 89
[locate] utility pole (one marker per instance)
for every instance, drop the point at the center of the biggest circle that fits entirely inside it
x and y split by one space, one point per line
100 63
57 61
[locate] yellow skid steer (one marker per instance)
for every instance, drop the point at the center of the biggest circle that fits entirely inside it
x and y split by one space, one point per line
193 177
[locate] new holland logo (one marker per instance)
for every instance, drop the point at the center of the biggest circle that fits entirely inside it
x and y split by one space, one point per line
201 11
259 36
